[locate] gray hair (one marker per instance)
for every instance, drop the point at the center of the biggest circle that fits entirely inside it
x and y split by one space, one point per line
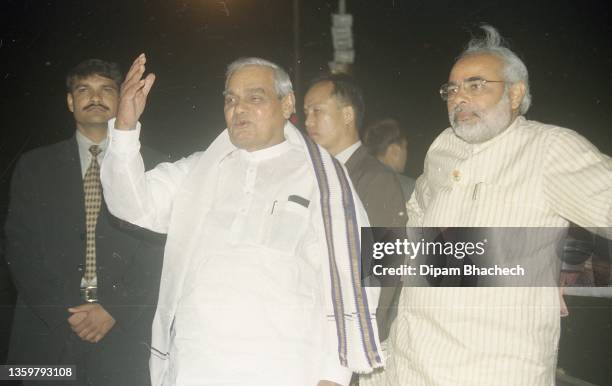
282 83
515 70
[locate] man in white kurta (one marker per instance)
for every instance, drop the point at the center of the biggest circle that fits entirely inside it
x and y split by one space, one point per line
246 294
494 168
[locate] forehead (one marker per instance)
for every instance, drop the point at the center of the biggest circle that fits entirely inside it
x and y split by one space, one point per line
251 78
94 80
319 92
485 66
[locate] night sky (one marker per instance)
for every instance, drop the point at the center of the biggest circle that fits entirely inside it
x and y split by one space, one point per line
404 51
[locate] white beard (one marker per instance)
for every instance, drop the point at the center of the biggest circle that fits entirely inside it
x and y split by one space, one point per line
492 122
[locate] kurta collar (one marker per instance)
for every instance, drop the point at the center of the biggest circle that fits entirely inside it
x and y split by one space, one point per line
474 148
265 154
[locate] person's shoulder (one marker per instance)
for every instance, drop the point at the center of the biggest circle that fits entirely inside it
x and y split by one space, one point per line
549 133
368 163
46 153
374 171
447 136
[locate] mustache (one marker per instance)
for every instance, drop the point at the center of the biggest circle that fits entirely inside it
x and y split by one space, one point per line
98 105
238 121
465 109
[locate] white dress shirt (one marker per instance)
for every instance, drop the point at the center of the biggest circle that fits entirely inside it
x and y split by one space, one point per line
345 154
85 157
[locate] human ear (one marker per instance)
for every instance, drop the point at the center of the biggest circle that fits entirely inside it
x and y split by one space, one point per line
70 102
348 114
516 93
288 105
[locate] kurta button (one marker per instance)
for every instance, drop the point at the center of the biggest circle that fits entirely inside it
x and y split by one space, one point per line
456 175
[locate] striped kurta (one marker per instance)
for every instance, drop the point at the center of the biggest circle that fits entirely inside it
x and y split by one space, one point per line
531 175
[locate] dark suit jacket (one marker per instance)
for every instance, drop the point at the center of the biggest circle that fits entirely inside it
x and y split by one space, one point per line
381 194
45 234
378 188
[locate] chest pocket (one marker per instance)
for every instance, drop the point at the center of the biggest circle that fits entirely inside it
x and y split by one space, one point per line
288 224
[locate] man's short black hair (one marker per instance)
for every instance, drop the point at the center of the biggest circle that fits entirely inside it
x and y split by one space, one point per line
347 92
378 136
91 67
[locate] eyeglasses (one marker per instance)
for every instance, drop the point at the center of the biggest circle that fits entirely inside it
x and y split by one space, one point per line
472 86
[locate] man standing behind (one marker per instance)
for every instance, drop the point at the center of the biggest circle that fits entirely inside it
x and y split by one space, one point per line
494 168
256 288
87 283
386 141
334 111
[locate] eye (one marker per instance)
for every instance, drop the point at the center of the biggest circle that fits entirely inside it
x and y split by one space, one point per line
229 100
255 98
452 89
475 86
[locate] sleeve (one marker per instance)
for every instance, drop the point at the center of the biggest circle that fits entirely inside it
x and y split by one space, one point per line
386 206
333 371
577 181
39 287
132 297
143 199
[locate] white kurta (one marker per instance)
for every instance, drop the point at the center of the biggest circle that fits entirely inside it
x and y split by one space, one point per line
531 175
251 309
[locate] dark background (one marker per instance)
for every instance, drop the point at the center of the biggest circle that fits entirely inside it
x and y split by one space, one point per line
404 51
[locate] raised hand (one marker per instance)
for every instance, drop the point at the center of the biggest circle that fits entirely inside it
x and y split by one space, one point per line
133 94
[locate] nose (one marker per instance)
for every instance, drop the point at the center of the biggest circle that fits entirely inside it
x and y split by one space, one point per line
95 96
239 106
461 97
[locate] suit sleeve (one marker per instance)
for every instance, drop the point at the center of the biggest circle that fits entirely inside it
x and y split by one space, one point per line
40 287
385 202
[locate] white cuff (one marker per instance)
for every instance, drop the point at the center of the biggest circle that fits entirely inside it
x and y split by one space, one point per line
335 372
123 143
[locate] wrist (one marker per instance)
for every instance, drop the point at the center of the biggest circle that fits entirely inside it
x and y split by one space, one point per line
121 124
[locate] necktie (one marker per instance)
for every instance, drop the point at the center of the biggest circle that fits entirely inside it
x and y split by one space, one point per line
93 200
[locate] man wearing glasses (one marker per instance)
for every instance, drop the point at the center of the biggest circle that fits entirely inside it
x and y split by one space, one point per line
494 168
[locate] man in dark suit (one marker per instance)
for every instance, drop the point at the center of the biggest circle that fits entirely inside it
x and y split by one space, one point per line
387 142
334 111
87 283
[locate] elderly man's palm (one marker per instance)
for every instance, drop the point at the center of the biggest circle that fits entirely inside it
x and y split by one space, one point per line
133 95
